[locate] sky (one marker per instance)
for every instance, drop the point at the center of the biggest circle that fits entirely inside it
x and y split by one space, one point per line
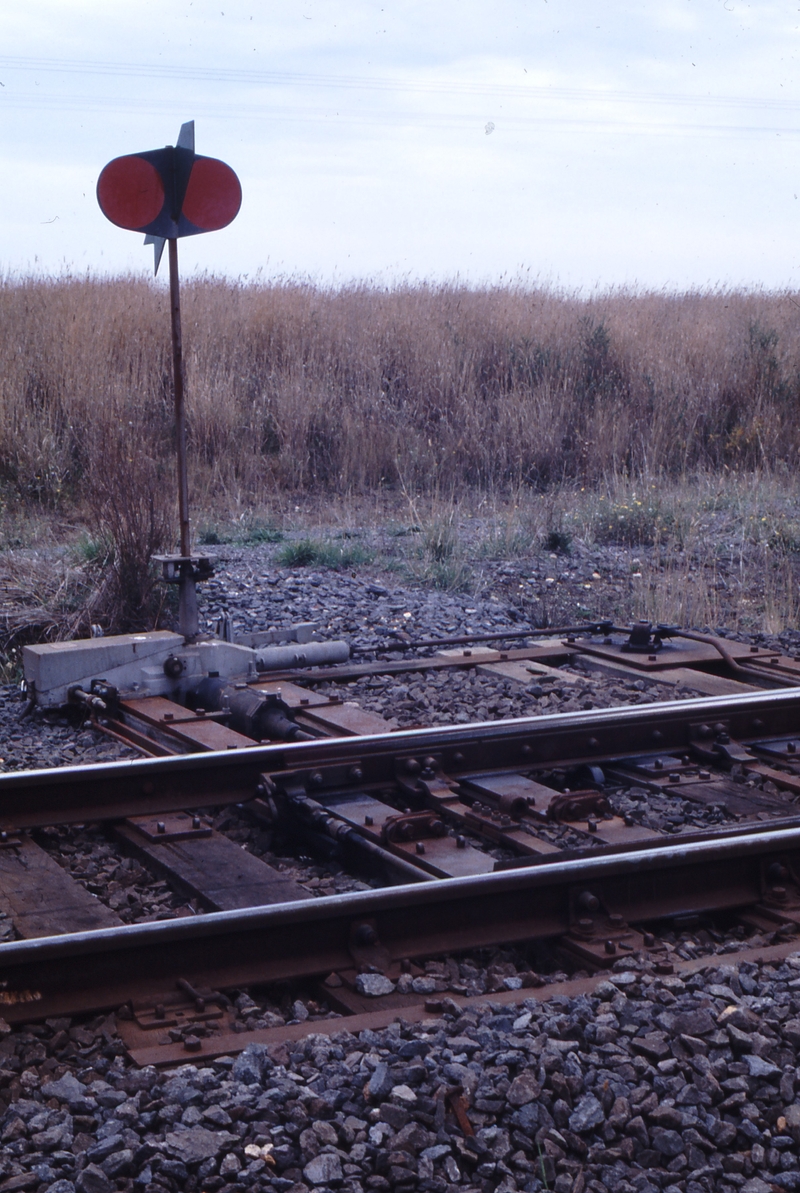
579 144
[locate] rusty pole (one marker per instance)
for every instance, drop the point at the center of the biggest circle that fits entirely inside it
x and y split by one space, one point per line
187 615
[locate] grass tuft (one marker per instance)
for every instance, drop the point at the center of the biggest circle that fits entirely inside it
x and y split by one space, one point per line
326 554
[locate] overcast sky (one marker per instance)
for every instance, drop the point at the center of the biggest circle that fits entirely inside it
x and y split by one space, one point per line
571 141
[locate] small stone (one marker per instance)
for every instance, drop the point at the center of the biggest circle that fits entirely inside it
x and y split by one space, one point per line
380 1083
689 1023
523 1089
755 1185
198 1144
395 1116
586 1115
118 1163
437 1152
230 1165
373 985
93 1180
759 1067
413 1138
325 1169
669 1143
299 1011
250 1065
404 1095
741 1017
423 986
217 1116
654 1046
66 1089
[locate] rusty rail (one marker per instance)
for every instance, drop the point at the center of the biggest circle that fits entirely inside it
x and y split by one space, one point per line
110 791
92 970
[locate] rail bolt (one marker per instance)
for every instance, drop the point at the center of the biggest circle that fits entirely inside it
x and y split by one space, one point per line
356 774
649 940
657 735
610 947
412 766
791 747
315 779
461 842
365 934
588 901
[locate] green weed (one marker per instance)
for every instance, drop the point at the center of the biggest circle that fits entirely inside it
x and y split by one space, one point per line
326 554
631 523
243 533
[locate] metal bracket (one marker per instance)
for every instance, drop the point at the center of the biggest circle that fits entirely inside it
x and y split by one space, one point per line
412 826
598 936
577 805
173 565
171 826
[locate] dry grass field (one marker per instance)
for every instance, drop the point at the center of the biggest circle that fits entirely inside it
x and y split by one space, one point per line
662 421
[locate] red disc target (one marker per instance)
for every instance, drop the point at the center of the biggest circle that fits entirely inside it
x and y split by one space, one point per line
130 192
169 193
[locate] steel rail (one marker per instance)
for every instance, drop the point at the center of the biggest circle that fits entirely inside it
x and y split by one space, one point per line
108 791
106 968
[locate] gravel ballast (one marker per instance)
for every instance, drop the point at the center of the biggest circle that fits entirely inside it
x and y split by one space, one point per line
646 1082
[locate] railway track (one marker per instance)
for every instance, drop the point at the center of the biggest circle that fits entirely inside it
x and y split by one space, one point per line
507 832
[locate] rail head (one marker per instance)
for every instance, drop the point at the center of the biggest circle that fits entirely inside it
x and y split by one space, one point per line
117 789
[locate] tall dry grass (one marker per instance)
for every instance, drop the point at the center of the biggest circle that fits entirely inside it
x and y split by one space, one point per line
428 387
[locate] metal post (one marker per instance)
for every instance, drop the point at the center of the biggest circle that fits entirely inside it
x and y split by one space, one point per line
188 623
